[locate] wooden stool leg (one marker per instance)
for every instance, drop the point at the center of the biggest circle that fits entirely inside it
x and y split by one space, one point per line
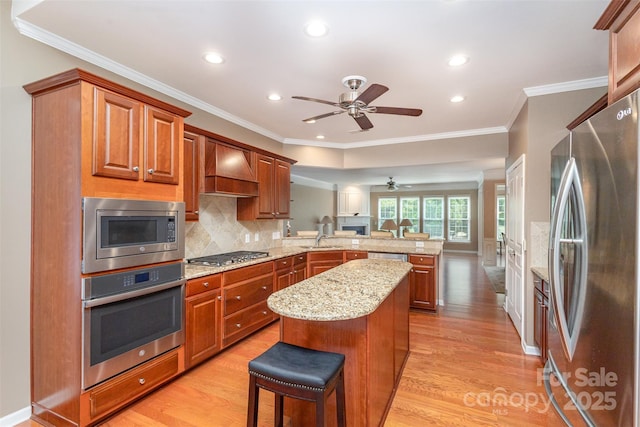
340 401
279 414
320 406
254 394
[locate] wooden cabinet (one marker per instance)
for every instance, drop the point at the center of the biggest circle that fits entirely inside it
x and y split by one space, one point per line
423 282
349 255
229 169
192 169
290 270
121 390
134 141
203 308
274 191
244 296
541 315
622 20
88 134
320 261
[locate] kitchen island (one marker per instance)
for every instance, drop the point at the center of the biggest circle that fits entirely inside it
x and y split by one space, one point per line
359 309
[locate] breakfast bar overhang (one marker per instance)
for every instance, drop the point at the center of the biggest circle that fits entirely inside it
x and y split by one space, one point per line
359 309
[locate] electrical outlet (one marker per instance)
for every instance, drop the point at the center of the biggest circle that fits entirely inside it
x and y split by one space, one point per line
275 235
355 241
256 237
419 244
247 238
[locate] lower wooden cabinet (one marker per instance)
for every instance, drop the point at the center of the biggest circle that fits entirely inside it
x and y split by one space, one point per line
317 262
541 315
423 282
350 255
119 391
290 270
203 308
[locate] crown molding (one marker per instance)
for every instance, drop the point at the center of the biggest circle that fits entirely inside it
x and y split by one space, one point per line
566 86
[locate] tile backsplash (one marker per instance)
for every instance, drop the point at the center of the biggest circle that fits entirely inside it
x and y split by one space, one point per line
539 244
219 231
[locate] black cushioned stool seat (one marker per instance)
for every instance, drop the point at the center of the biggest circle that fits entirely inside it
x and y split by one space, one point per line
297 372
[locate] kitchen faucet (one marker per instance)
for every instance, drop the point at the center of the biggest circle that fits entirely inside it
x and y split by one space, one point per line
320 236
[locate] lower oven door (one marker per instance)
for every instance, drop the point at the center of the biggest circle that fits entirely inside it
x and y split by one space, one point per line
124 330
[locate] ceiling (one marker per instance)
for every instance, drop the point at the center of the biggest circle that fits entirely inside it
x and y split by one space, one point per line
516 48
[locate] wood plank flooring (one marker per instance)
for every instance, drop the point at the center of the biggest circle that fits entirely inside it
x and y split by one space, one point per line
466 368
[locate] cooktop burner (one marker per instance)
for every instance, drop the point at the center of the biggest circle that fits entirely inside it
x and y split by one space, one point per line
220 260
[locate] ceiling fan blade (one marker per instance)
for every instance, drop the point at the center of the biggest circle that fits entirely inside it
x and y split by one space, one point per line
322 101
364 122
401 111
372 92
322 116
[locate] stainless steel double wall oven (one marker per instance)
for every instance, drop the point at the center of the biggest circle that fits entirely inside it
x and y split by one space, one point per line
133 287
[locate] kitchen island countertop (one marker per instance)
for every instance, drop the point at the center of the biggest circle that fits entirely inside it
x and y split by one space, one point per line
349 291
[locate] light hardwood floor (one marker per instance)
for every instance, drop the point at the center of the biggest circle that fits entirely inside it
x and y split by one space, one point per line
466 368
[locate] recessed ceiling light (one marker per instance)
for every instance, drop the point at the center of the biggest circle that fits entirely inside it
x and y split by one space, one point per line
458 60
310 121
274 97
316 29
457 98
213 58
319 136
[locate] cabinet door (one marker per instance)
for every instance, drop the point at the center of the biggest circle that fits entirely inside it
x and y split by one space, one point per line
203 326
282 191
265 172
423 290
116 144
162 146
192 144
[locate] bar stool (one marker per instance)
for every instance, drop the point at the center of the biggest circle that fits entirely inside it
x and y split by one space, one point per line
300 373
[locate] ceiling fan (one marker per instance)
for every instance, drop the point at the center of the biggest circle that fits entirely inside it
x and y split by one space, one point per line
356 105
391 184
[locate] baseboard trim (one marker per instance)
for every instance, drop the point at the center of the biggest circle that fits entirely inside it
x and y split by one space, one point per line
17 417
531 350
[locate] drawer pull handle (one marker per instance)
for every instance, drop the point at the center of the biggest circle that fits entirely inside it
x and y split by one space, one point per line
141 381
238 298
151 171
264 288
238 325
205 284
219 298
136 168
264 312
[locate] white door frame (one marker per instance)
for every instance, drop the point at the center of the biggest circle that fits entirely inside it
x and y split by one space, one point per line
516 245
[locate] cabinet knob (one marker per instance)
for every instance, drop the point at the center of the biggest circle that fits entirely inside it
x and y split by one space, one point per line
141 381
264 312
136 168
150 171
205 284
238 325
196 212
219 298
264 288
238 298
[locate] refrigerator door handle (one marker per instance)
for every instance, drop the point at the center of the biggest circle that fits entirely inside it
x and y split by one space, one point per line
569 330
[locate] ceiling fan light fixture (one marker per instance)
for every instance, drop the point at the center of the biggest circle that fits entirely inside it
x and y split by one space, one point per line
316 29
391 184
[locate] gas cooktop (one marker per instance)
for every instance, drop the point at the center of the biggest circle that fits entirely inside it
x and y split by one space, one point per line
228 258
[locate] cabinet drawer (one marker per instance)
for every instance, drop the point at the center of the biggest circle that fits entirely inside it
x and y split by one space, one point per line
246 321
245 295
541 285
283 263
232 277
128 386
325 256
300 259
349 255
203 284
422 259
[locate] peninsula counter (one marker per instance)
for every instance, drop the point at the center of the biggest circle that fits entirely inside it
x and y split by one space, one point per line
359 309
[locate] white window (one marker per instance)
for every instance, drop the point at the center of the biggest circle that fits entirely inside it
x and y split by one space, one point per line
433 217
410 209
459 216
387 209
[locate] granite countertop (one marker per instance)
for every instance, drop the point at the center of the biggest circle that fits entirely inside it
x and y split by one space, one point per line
542 272
349 291
192 271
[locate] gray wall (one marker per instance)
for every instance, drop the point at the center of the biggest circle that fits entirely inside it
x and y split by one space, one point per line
309 205
540 125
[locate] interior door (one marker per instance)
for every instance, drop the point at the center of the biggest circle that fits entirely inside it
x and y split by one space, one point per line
515 245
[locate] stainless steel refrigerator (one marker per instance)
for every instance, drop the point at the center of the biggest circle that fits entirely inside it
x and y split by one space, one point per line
591 375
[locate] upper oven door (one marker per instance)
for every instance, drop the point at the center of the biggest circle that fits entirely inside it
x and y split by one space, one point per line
120 233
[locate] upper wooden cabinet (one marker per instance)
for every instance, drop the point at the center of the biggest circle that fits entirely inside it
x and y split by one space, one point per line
622 19
229 169
193 182
274 193
129 143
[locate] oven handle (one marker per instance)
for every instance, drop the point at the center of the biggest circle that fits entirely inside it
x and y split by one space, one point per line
127 295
